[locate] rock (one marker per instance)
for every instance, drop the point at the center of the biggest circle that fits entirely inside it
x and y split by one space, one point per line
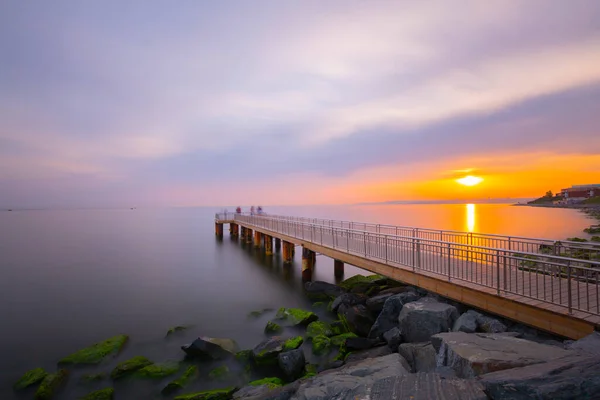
587 345
157 371
102 394
362 282
360 343
466 323
420 320
252 392
295 316
293 343
219 373
575 377
211 348
338 327
489 324
317 328
375 303
340 340
321 344
473 354
258 313
422 386
372 353
243 356
176 329
420 356
89 378
270 382
266 352
126 367
322 291
97 352
272 327
180 383
292 363
397 290
358 318
51 384
264 392
349 299
217 394
30 378
339 383
388 317
393 338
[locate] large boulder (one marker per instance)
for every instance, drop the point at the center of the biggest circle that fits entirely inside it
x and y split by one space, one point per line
323 291
393 337
466 323
211 348
420 320
420 356
361 283
358 318
574 377
589 345
292 363
267 351
388 317
349 299
375 303
371 353
473 354
422 386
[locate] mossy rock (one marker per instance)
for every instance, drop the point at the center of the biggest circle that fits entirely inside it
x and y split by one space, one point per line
51 384
340 340
88 378
97 352
293 343
157 371
102 394
127 367
319 304
176 329
360 280
30 378
217 394
256 314
311 370
180 383
243 356
338 328
219 373
296 316
344 326
272 327
321 344
272 383
317 328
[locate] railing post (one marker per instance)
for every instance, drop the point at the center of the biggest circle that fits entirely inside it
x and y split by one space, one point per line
498 271
386 249
448 262
312 228
504 262
418 264
321 229
365 242
569 287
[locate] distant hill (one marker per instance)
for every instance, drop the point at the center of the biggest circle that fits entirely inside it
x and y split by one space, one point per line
546 200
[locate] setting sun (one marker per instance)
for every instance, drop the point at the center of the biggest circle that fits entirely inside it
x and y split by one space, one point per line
470 180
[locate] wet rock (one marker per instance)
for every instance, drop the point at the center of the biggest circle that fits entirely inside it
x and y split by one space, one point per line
574 377
420 320
216 394
489 324
180 383
358 318
396 290
30 378
293 343
317 328
158 370
587 345
321 344
127 367
252 392
220 373
97 352
466 323
266 352
393 338
361 343
371 353
420 356
349 299
51 384
272 327
340 340
176 329
102 394
375 303
322 291
295 316
258 313
473 354
292 363
422 386
271 382
388 317
360 283
211 348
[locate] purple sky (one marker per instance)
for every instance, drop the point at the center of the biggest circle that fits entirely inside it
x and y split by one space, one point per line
192 102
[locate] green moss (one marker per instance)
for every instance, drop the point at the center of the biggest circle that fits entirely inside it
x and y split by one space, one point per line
256 314
311 370
30 378
296 316
97 352
321 344
272 327
87 378
338 328
190 374
293 343
157 371
576 239
102 394
318 304
51 384
344 323
219 373
243 356
217 394
176 329
356 280
317 328
340 340
127 367
272 383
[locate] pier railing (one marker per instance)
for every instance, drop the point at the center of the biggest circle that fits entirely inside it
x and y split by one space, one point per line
550 278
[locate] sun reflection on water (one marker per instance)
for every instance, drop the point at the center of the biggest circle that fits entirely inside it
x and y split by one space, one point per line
470 217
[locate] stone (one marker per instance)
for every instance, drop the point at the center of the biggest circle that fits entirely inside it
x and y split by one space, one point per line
252 392
420 356
358 318
338 327
321 344
272 327
574 377
467 322
216 394
340 340
490 325
102 394
388 317
362 282
89 378
258 313
375 303
30 378
158 370
361 343
51 384
372 353
127 367
176 329
292 363
349 299
211 348
473 354
322 291
317 328
96 352
393 337
266 352
271 382
295 316
397 290
220 373
587 345
293 343
420 320
180 383
421 386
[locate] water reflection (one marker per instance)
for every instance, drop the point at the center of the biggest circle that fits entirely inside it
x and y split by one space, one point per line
470 217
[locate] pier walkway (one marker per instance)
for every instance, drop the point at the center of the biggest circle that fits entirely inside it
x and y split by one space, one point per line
550 285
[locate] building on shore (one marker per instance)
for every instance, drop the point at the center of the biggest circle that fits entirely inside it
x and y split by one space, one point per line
580 192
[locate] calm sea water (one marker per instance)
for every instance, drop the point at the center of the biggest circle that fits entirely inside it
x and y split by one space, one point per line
71 278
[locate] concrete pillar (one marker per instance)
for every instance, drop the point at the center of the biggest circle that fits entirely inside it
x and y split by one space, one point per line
218 229
287 252
257 237
307 264
277 244
268 245
338 268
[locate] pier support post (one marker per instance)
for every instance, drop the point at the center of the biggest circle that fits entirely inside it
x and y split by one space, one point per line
287 252
268 245
234 229
307 264
218 229
338 268
248 235
277 244
257 237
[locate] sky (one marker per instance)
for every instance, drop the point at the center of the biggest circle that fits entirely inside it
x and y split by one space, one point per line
206 103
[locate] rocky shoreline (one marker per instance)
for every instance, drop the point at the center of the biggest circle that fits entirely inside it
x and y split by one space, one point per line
380 340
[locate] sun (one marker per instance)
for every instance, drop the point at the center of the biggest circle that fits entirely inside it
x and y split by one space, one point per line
470 180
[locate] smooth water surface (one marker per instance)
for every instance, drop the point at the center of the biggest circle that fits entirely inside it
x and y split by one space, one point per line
71 278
